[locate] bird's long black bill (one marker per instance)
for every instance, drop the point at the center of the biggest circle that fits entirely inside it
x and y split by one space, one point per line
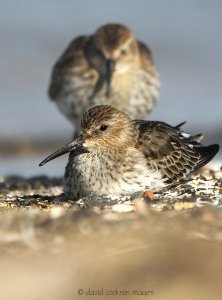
68 148
110 67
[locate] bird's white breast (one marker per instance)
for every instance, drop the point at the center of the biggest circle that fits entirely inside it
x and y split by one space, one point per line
103 175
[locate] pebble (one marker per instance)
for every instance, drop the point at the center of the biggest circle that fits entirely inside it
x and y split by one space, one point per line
183 205
122 208
57 212
141 207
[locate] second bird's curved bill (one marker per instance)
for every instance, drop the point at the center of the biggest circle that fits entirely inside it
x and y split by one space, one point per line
68 148
110 67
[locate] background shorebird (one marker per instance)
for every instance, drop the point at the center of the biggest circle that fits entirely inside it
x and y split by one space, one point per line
108 67
115 155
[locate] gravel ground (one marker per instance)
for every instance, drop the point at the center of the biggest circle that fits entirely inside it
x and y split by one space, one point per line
168 247
46 194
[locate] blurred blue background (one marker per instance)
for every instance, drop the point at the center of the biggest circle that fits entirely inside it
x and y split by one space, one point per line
185 37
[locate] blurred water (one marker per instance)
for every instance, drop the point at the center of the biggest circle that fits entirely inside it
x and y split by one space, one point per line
29 166
185 37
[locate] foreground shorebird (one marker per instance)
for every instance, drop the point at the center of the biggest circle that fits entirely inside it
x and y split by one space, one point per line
117 156
109 67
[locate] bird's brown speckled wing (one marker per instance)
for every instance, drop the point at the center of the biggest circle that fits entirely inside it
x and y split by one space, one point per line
71 58
145 51
145 55
147 64
170 150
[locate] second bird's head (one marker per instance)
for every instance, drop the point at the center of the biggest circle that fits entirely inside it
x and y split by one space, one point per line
112 50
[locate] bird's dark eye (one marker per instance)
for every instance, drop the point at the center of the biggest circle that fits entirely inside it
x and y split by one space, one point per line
123 52
103 127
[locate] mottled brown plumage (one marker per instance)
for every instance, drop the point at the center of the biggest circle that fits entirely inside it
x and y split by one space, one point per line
108 67
117 156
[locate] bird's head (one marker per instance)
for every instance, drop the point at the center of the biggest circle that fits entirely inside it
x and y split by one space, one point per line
105 130
112 50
